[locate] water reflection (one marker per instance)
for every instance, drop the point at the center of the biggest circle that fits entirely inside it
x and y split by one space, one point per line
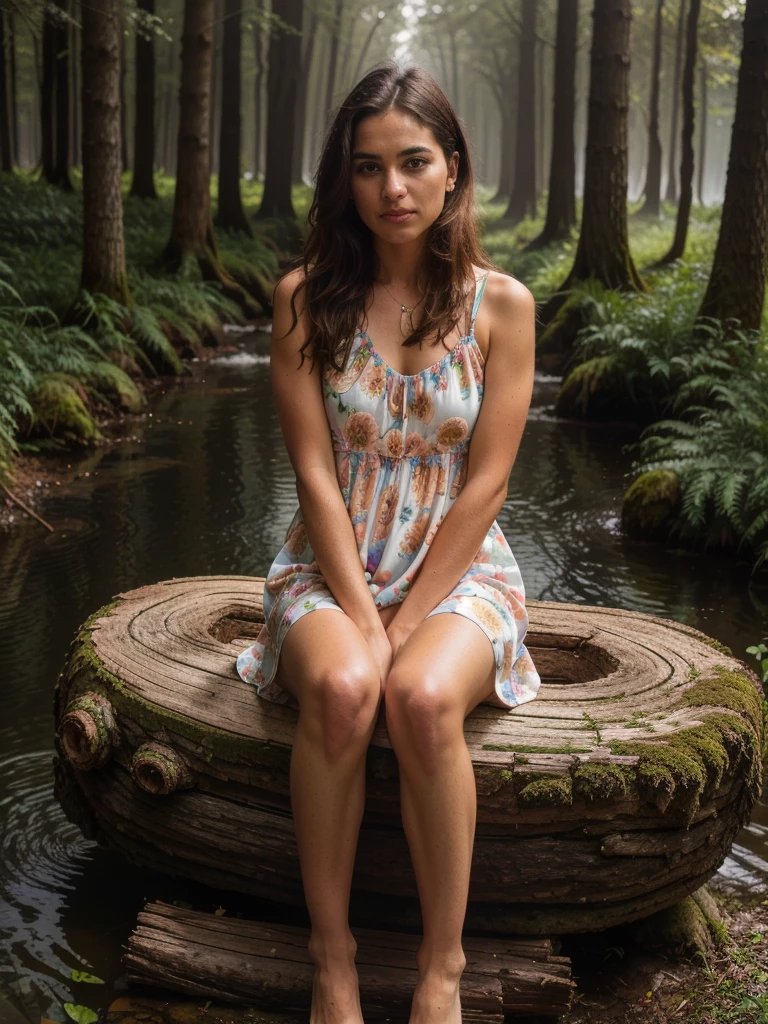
204 486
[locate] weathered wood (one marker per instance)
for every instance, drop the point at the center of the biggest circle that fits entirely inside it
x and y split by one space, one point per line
268 965
615 793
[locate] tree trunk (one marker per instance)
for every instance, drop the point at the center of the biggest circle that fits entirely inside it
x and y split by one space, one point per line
677 248
143 183
334 54
702 130
123 120
737 280
590 811
192 234
213 103
652 205
103 268
268 965
14 97
561 201
61 92
74 65
506 168
284 61
603 250
308 46
230 213
671 196
258 89
6 147
522 202
47 96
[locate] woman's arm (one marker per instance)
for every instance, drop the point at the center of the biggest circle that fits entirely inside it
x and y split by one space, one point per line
511 315
308 439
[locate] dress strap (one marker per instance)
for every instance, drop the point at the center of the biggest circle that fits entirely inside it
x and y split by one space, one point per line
476 305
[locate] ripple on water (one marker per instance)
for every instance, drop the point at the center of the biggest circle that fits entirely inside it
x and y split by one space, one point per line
42 856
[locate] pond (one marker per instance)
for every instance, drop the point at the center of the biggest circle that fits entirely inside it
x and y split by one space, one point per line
202 485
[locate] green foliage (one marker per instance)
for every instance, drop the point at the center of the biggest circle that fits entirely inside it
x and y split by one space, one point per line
55 376
719 453
760 651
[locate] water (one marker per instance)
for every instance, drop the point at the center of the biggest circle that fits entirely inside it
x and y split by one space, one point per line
204 486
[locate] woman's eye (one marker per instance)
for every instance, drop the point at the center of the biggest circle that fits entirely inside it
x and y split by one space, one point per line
415 162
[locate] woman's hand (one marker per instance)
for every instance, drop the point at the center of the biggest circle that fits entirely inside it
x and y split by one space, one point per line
381 649
397 634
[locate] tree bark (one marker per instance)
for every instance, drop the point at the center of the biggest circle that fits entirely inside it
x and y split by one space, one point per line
6 147
284 61
603 250
737 280
14 97
308 47
230 213
143 183
333 56
522 202
61 107
677 248
652 205
561 200
47 95
507 161
258 89
74 64
268 965
103 268
671 196
123 120
703 102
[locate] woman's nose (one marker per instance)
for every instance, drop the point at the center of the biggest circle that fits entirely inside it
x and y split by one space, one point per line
393 186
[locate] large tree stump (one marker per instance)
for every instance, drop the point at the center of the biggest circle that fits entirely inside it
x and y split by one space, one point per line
268 965
614 794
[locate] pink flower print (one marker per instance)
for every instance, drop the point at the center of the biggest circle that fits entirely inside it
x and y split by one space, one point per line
441 478
342 472
487 614
506 665
395 396
276 583
382 575
423 483
423 405
374 379
451 432
391 445
361 497
385 512
415 445
413 537
461 476
296 540
362 431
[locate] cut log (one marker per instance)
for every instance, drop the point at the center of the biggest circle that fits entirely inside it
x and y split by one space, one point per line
614 794
268 965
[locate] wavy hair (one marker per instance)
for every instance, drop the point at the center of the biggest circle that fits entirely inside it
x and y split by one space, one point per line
338 255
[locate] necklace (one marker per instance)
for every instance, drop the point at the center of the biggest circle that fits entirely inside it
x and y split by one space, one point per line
403 308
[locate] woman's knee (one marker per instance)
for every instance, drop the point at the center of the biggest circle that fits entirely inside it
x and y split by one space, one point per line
424 718
341 702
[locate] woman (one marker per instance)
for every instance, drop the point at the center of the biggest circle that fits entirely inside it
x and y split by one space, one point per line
395 524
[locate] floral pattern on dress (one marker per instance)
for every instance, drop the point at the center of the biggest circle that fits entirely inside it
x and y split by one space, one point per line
401 447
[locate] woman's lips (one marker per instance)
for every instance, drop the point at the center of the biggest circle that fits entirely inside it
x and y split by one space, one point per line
399 218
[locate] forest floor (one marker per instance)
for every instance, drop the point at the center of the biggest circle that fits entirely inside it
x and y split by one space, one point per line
617 983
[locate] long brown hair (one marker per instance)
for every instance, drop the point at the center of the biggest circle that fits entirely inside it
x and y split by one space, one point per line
338 255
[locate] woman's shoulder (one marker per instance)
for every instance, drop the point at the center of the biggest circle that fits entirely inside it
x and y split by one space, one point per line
505 296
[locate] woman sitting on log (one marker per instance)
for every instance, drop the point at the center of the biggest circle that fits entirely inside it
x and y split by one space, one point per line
396 519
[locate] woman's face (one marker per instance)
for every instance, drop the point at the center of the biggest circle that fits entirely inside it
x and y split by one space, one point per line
398 168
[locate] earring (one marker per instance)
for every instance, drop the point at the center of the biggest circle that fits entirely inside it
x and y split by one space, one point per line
450 188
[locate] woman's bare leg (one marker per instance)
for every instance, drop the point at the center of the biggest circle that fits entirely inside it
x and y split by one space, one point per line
326 664
445 668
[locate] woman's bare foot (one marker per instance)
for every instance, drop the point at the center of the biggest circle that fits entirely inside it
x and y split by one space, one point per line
335 989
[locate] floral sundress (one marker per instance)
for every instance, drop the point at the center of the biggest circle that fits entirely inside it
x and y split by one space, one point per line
401 444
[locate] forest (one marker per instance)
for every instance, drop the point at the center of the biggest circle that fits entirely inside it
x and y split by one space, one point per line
157 166
157 161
